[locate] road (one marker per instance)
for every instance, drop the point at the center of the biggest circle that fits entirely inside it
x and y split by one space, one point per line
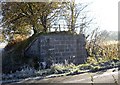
107 76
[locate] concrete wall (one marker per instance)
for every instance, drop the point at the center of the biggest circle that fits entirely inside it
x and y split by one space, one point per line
59 48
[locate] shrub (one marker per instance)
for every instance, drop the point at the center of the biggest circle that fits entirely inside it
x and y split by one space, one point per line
70 66
57 69
118 64
95 68
91 60
60 68
85 66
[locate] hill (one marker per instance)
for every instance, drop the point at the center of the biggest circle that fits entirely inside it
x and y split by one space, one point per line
113 36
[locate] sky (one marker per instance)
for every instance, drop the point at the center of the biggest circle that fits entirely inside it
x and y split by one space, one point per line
105 13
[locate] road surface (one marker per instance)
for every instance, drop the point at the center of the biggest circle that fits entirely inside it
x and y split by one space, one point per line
108 76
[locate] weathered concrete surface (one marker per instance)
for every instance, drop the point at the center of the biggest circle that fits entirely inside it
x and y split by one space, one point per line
59 48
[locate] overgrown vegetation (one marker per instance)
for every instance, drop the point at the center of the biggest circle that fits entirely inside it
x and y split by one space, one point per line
13 56
72 69
62 70
103 52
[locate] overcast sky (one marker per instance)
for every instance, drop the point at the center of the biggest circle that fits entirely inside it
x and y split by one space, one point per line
105 12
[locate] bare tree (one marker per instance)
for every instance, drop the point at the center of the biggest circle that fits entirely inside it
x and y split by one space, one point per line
73 16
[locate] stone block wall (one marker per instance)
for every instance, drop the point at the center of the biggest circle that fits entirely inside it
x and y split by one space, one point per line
59 48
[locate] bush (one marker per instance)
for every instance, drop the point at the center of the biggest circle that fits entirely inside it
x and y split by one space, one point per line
60 68
91 60
96 68
85 66
70 66
57 69
118 64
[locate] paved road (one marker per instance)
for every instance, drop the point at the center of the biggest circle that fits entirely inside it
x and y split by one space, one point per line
99 77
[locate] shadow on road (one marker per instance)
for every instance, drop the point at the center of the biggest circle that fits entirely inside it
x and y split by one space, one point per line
101 72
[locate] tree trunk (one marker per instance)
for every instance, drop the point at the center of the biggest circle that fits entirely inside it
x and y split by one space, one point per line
72 17
44 23
34 30
45 29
